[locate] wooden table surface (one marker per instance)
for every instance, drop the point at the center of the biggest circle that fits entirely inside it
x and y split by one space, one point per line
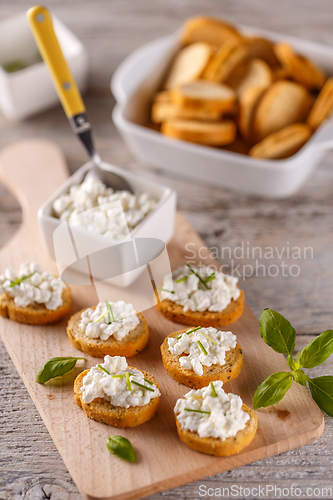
31 467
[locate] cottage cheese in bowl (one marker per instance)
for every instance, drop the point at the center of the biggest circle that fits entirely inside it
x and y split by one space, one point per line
115 214
31 285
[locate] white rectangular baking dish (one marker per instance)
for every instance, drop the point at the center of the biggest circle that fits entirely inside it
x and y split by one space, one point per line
158 224
141 74
30 90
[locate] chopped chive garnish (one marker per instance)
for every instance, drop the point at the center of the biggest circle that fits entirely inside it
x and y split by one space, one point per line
103 369
213 390
210 278
101 317
165 290
107 306
209 338
110 312
117 376
148 381
197 275
143 386
128 382
181 279
197 411
19 281
190 331
202 347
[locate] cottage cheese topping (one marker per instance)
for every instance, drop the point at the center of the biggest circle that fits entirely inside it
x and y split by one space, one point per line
113 387
193 295
225 417
98 323
115 221
33 286
213 342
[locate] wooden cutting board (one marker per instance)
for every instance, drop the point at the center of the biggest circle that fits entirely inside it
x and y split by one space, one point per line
33 170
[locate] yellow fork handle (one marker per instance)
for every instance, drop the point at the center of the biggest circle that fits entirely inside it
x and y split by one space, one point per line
49 48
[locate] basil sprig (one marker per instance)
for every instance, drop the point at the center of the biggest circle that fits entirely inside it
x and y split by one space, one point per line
279 334
120 446
56 367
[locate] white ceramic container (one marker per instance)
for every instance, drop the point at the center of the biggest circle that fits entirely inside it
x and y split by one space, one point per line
140 75
30 90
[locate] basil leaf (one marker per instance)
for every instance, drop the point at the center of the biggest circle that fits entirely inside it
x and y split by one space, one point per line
293 365
55 367
317 351
299 377
120 446
277 332
322 392
272 390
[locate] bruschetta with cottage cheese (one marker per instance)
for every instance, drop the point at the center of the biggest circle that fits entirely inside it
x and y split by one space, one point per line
110 328
33 296
214 422
115 394
197 356
200 297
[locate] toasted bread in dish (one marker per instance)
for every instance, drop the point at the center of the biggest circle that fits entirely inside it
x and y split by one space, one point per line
188 65
175 312
103 411
230 370
283 143
162 96
164 111
219 447
35 314
209 30
225 61
204 95
255 73
208 134
248 103
134 342
282 104
301 68
322 107
261 48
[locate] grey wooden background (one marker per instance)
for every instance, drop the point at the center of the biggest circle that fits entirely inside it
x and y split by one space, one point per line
30 466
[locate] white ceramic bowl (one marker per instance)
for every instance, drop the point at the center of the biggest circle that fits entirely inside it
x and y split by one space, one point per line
158 224
140 75
30 90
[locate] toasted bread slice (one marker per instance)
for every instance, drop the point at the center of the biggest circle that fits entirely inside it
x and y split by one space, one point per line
219 447
103 411
282 104
164 111
230 370
162 96
208 134
322 107
204 95
261 48
255 73
175 312
34 314
209 30
283 143
248 103
134 342
225 61
302 69
188 65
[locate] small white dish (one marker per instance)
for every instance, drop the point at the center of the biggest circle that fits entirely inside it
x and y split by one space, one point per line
158 224
30 90
140 75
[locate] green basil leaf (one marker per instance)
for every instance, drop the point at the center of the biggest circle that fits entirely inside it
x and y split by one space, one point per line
322 392
120 446
277 332
299 377
55 367
293 365
272 390
317 351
